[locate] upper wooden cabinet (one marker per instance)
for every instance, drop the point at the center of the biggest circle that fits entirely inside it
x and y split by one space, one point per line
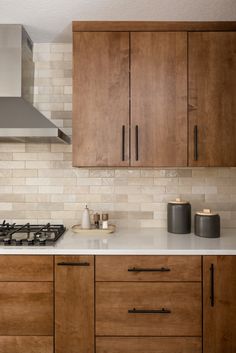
212 92
158 99
154 94
101 99
149 70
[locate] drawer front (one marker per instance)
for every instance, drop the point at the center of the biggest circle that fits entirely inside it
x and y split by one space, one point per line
148 345
148 268
20 268
26 308
119 309
26 344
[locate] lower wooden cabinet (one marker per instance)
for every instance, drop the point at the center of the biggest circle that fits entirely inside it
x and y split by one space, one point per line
76 308
148 345
74 304
219 304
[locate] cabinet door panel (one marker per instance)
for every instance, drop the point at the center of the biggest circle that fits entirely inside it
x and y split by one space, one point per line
17 268
219 306
158 99
148 345
26 344
101 99
74 304
148 268
26 308
212 104
118 306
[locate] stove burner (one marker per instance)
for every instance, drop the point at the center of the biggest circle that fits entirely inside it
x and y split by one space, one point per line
31 235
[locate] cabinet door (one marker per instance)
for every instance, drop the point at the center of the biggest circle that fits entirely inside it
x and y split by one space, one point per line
101 99
212 91
74 304
26 344
26 308
219 304
158 99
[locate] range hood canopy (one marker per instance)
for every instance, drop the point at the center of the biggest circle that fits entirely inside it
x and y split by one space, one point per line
19 120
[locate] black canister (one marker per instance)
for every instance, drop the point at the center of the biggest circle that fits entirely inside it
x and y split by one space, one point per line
207 224
179 217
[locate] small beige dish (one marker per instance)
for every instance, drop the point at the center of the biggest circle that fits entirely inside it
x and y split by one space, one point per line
95 231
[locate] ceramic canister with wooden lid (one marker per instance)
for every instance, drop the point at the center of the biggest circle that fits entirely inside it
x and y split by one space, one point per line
207 224
179 217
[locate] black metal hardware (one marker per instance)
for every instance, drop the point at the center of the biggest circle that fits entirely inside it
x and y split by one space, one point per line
123 143
137 269
73 264
212 294
136 143
195 143
146 311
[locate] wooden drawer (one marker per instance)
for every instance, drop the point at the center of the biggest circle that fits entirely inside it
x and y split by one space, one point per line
26 344
148 268
26 308
115 300
20 268
148 345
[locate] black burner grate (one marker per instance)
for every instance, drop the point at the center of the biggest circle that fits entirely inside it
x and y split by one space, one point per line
30 234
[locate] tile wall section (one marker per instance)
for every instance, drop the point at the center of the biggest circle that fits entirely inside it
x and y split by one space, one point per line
37 182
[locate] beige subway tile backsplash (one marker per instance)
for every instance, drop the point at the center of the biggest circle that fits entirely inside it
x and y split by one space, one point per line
39 184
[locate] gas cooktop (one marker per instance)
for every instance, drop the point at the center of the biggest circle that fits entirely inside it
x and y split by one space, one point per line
29 234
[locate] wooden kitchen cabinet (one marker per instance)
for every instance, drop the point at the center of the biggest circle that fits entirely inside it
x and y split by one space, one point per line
101 99
130 99
74 304
212 92
151 94
219 304
158 99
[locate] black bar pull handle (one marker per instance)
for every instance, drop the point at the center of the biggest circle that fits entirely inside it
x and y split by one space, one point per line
195 142
139 269
123 143
212 291
136 143
73 264
149 311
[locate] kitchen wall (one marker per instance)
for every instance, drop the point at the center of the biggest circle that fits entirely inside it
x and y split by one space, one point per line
37 182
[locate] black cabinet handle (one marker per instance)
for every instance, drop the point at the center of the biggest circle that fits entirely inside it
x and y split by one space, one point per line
212 292
152 311
73 264
137 269
136 144
195 142
123 143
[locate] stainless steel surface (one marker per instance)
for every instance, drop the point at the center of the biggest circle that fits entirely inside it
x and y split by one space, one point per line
19 120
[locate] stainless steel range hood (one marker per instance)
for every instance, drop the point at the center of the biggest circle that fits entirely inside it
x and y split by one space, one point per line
19 120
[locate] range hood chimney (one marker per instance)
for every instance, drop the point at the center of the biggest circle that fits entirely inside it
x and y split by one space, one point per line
19 120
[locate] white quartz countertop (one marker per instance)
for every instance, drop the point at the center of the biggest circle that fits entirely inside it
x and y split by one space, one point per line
133 242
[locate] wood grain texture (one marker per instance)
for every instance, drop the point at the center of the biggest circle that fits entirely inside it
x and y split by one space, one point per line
100 99
114 299
74 305
148 345
159 98
219 323
24 268
115 268
212 91
26 308
26 344
153 26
